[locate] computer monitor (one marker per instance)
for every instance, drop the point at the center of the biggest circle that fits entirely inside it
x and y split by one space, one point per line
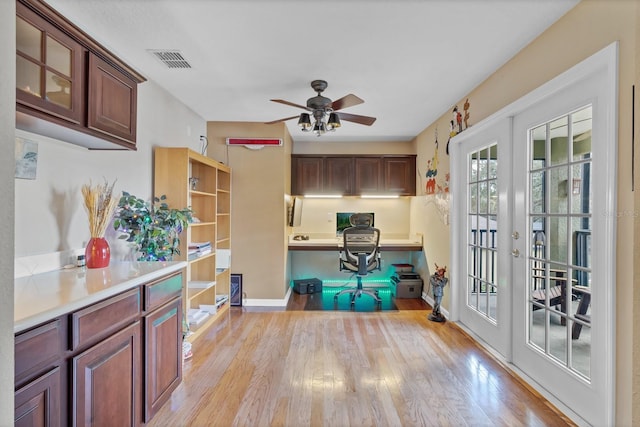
342 221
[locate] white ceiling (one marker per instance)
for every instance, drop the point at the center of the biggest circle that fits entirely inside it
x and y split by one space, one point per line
410 60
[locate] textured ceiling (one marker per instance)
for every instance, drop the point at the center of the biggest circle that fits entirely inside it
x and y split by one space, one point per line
409 60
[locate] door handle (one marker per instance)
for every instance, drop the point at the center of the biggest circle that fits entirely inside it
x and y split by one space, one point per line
515 253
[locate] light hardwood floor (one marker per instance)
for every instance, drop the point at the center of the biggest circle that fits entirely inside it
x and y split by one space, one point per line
396 368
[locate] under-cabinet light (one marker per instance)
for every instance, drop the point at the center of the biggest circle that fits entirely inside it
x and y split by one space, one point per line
380 196
323 196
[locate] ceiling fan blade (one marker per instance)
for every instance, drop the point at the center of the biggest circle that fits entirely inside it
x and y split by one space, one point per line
346 101
363 120
282 101
282 120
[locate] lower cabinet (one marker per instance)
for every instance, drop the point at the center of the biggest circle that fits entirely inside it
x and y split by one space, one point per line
105 389
163 355
37 404
112 363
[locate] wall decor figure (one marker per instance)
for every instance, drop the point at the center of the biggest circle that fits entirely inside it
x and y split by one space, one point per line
466 113
455 125
432 170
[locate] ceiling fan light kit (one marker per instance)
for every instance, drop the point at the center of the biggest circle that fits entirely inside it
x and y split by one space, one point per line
320 107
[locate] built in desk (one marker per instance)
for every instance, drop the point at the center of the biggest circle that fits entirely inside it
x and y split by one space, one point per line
318 257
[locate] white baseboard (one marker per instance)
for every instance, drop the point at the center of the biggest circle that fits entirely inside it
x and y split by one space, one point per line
256 302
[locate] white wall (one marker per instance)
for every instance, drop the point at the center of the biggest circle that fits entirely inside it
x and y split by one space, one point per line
50 215
7 120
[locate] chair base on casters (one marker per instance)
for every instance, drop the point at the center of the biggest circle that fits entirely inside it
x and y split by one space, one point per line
358 291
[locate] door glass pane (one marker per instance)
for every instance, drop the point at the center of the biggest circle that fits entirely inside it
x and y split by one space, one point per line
559 130
581 188
537 192
557 239
58 90
558 340
558 190
581 350
493 162
538 144
483 198
28 39
473 168
473 198
58 56
581 124
27 76
483 165
559 258
537 326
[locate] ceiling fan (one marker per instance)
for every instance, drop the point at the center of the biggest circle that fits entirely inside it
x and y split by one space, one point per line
320 106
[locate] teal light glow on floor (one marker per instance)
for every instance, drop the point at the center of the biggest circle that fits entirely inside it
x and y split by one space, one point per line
326 300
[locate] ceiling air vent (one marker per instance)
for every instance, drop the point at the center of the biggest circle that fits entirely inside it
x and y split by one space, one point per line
171 58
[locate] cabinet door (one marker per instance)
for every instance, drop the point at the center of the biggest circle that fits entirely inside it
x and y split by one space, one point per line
307 175
112 102
368 175
49 71
400 175
338 175
106 382
163 355
38 403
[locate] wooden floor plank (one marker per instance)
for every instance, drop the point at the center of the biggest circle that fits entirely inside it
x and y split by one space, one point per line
396 368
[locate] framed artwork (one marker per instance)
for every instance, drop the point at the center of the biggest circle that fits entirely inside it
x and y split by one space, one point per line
26 159
235 299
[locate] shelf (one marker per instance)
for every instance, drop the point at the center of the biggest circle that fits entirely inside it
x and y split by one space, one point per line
200 284
194 292
196 193
200 258
201 224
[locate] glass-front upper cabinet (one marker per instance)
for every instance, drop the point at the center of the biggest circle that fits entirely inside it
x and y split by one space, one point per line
49 71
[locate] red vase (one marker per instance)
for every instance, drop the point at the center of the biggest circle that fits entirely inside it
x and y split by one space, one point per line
97 253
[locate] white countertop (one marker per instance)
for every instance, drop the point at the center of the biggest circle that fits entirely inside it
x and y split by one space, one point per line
43 297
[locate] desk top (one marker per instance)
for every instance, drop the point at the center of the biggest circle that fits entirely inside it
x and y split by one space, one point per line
335 244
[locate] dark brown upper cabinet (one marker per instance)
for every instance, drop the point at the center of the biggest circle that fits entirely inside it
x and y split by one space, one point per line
338 175
353 175
68 86
307 175
399 175
368 175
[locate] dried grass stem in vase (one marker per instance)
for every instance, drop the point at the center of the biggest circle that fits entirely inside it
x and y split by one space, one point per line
100 204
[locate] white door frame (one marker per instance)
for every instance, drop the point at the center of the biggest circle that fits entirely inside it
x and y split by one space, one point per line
606 60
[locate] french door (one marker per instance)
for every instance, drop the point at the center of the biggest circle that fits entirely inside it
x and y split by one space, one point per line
481 184
540 177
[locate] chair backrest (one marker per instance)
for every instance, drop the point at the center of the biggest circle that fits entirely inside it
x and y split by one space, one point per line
361 245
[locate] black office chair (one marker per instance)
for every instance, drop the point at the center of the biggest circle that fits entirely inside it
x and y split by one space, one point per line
360 254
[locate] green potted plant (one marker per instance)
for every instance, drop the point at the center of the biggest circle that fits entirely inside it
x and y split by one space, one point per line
153 228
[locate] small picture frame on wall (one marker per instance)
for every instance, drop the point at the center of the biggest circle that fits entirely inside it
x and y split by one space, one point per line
235 297
26 159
